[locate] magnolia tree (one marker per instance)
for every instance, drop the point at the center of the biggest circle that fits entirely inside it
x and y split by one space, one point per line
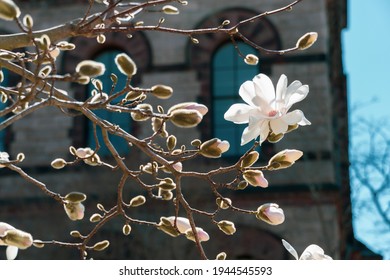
265 109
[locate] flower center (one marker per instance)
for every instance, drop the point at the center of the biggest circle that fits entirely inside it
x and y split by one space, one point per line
272 113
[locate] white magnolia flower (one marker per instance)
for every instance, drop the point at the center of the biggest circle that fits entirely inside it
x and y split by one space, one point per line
312 252
266 110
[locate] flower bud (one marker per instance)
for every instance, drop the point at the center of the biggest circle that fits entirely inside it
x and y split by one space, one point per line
45 71
270 213
90 68
17 238
159 126
95 218
162 91
75 211
38 243
251 59
83 80
126 229
221 256
284 159
170 10
75 233
307 40
165 195
185 118
242 185
171 142
227 227
101 39
125 64
202 235
214 148
137 201
202 109
102 245
223 203
255 178
167 184
58 163
9 10
274 138
142 112
65 46
4 158
75 197
99 98
250 159
28 21
133 95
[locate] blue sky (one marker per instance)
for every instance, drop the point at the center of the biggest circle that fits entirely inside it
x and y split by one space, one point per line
366 50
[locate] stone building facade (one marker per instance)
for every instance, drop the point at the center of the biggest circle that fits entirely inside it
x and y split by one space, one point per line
314 193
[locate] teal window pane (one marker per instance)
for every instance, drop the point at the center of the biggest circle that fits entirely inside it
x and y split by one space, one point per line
121 119
229 71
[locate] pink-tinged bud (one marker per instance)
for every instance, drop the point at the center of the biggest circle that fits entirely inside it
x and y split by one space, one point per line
271 214
18 238
75 211
284 159
3 228
86 155
214 148
255 178
184 227
202 109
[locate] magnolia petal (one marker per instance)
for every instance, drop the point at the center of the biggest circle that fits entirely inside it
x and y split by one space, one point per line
251 131
314 252
239 113
281 89
293 117
278 125
290 249
264 88
291 89
12 252
296 96
264 131
247 92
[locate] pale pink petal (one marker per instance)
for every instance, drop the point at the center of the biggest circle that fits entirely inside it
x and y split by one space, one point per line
278 126
314 252
291 89
294 117
12 252
247 92
264 131
239 113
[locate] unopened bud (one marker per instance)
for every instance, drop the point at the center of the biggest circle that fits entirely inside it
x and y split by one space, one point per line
126 229
65 46
17 238
251 59
95 218
75 211
38 243
83 80
250 159
133 95
202 109
274 138
221 256
9 10
28 21
125 64
159 126
185 118
170 10
171 142
165 195
58 163
101 39
167 184
255 178
227 227
102 245
242 185
307 40
137 201
75 197
284 159
75 233
223 203
45 71
270 213
90 68
214 148
142 112
202 235
162 91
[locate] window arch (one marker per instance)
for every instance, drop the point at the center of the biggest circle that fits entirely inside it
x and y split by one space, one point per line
123 120
204 57
229 71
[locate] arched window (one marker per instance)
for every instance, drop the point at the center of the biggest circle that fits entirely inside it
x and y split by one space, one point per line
121 119
229 71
